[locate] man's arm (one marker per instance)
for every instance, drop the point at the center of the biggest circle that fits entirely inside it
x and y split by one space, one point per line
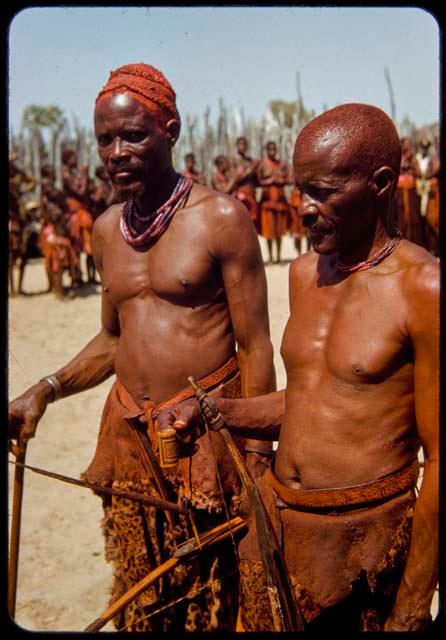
93 365
224 186
259 417
237 248
414 597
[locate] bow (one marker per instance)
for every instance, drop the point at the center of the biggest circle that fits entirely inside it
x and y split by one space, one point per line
285 613
185 551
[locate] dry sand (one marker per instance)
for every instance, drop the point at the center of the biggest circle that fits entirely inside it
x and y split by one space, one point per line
63 581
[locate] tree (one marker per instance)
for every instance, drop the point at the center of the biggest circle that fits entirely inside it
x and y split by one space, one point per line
34 119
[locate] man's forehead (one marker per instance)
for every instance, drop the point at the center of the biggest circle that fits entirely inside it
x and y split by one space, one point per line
121 102
316 149
121 109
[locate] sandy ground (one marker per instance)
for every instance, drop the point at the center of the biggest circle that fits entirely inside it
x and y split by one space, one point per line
64 582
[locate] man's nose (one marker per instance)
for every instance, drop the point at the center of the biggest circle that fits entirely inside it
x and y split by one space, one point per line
118 150
307 207
309 219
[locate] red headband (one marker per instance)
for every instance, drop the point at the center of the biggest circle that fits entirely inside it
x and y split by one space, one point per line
145 84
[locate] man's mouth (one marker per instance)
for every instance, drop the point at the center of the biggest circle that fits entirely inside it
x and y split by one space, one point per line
125 176
318 234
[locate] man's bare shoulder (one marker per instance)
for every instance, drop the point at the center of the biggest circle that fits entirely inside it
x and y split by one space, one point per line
216 206
304 266
420 269
419 284
106 221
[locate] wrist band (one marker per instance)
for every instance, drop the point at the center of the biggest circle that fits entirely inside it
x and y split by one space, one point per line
268 454
57 387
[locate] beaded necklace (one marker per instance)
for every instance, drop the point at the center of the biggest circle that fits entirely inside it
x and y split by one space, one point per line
386 250
157 222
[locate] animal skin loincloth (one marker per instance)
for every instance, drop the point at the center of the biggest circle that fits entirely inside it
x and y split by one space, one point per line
139 538
344 549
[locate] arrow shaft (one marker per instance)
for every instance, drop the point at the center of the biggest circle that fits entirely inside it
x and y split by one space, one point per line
153 502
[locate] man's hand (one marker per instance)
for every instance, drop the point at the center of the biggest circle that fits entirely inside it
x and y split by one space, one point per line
25 412
187 420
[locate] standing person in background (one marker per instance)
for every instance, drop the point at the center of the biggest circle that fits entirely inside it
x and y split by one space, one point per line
55 241
56 244
423 158
432 220
272 177
76 185
102 194
407 200
221 178
302 242
190 171
20 184
243 170
183 293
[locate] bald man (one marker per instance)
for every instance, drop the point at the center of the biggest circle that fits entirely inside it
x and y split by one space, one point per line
361 351
177 298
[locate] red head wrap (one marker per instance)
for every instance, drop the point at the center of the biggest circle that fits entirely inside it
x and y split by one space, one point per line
145 84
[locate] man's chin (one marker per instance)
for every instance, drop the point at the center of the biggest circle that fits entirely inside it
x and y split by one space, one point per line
125 192
325 245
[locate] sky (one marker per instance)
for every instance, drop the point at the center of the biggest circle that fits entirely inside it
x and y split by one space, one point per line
247 55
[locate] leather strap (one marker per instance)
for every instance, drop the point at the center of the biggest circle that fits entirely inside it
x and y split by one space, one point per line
357 495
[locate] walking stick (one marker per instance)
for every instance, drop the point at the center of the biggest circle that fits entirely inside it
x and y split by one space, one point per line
16 521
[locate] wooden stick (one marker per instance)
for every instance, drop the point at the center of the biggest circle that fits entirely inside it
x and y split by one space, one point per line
184 552
15 530
129 495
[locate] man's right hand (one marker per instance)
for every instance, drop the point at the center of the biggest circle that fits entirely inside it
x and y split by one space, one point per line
25 412
185 418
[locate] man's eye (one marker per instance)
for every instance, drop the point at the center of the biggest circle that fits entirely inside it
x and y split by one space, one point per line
318 192
103 141
134 136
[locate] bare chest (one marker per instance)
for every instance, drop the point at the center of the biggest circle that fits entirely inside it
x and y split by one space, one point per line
177 268
355 334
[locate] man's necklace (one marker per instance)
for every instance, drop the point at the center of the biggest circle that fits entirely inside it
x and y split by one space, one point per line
385 251
158 221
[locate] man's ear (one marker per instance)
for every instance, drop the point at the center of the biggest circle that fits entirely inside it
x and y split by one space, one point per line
173 127
383 181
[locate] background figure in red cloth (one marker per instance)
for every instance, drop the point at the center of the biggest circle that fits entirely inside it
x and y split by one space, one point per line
432 220
190 170
221 179
272 177
76 185
407 200
243 169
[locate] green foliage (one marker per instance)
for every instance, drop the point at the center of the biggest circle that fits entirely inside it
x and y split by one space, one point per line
38 116
290 111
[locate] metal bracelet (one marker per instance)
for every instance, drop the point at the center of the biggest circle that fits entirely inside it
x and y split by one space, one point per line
55 384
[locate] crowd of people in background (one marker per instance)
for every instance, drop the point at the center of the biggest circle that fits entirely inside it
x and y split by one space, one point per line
59 225
266 187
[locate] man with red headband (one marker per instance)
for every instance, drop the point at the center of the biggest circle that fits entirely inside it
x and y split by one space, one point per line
177 298
361 351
